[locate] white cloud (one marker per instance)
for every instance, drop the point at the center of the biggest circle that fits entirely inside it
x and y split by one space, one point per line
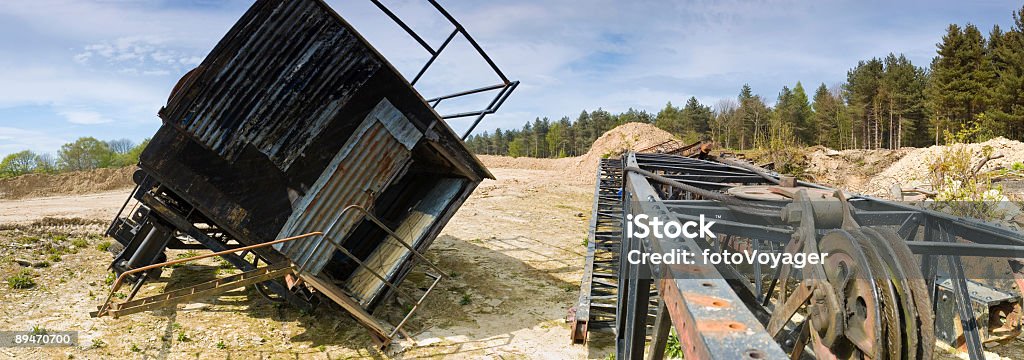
14 139
137 55
84 117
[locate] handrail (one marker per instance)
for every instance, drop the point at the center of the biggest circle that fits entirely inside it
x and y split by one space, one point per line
300 267
120 279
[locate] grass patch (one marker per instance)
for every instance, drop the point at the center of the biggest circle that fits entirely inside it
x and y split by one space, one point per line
103 246
79 243
54 258
22 280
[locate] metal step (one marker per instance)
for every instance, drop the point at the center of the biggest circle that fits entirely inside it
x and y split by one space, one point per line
210 288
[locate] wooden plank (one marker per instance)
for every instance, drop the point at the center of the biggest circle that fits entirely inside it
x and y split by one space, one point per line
377 329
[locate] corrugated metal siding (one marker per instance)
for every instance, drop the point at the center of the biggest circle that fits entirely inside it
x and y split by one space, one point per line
367 163
388 257
276 80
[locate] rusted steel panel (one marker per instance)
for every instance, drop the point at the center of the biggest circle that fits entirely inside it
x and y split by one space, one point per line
367 164
275 82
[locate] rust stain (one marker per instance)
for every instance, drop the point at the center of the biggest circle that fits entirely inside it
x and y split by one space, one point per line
705 300
718 326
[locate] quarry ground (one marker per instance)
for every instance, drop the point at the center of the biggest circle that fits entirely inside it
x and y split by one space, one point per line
514 254
514 251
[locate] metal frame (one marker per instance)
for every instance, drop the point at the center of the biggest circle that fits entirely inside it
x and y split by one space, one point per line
505 87
683 188
385 337
599 286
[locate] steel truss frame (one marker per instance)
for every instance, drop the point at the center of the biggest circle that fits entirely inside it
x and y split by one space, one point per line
717 317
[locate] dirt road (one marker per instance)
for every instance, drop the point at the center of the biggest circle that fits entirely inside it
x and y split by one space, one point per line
514 252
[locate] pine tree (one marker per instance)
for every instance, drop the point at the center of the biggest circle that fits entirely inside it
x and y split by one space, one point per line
802 116
960 74
862 88
1007 59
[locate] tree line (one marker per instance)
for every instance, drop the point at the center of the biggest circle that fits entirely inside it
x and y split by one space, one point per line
973 87
86 153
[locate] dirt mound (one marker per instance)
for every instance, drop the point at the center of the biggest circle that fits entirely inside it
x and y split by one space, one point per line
76 182
849 169
629 136
912 169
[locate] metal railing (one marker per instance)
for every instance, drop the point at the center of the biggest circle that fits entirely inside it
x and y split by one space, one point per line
300 269
506 86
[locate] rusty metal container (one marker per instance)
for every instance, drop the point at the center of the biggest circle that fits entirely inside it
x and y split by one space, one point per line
292 117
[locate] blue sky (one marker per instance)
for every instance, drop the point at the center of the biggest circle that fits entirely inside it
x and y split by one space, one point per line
102 68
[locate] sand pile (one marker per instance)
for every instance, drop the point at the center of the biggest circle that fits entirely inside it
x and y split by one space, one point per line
77 182
629 136
849 169
912 169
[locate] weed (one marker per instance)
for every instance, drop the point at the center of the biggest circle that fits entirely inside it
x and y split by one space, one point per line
184 255
466 300
321 348
98 343
54 258
221 345
961 185
673 349
60 238
79 243
21 280
182 337
44 263
135 348
110 279
103 246
36 330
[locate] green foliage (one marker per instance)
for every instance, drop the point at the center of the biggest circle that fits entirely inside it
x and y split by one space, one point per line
221 345
546 138
104 246
465 300
84 154
80 242
18 163
673 348
962 188
22 280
